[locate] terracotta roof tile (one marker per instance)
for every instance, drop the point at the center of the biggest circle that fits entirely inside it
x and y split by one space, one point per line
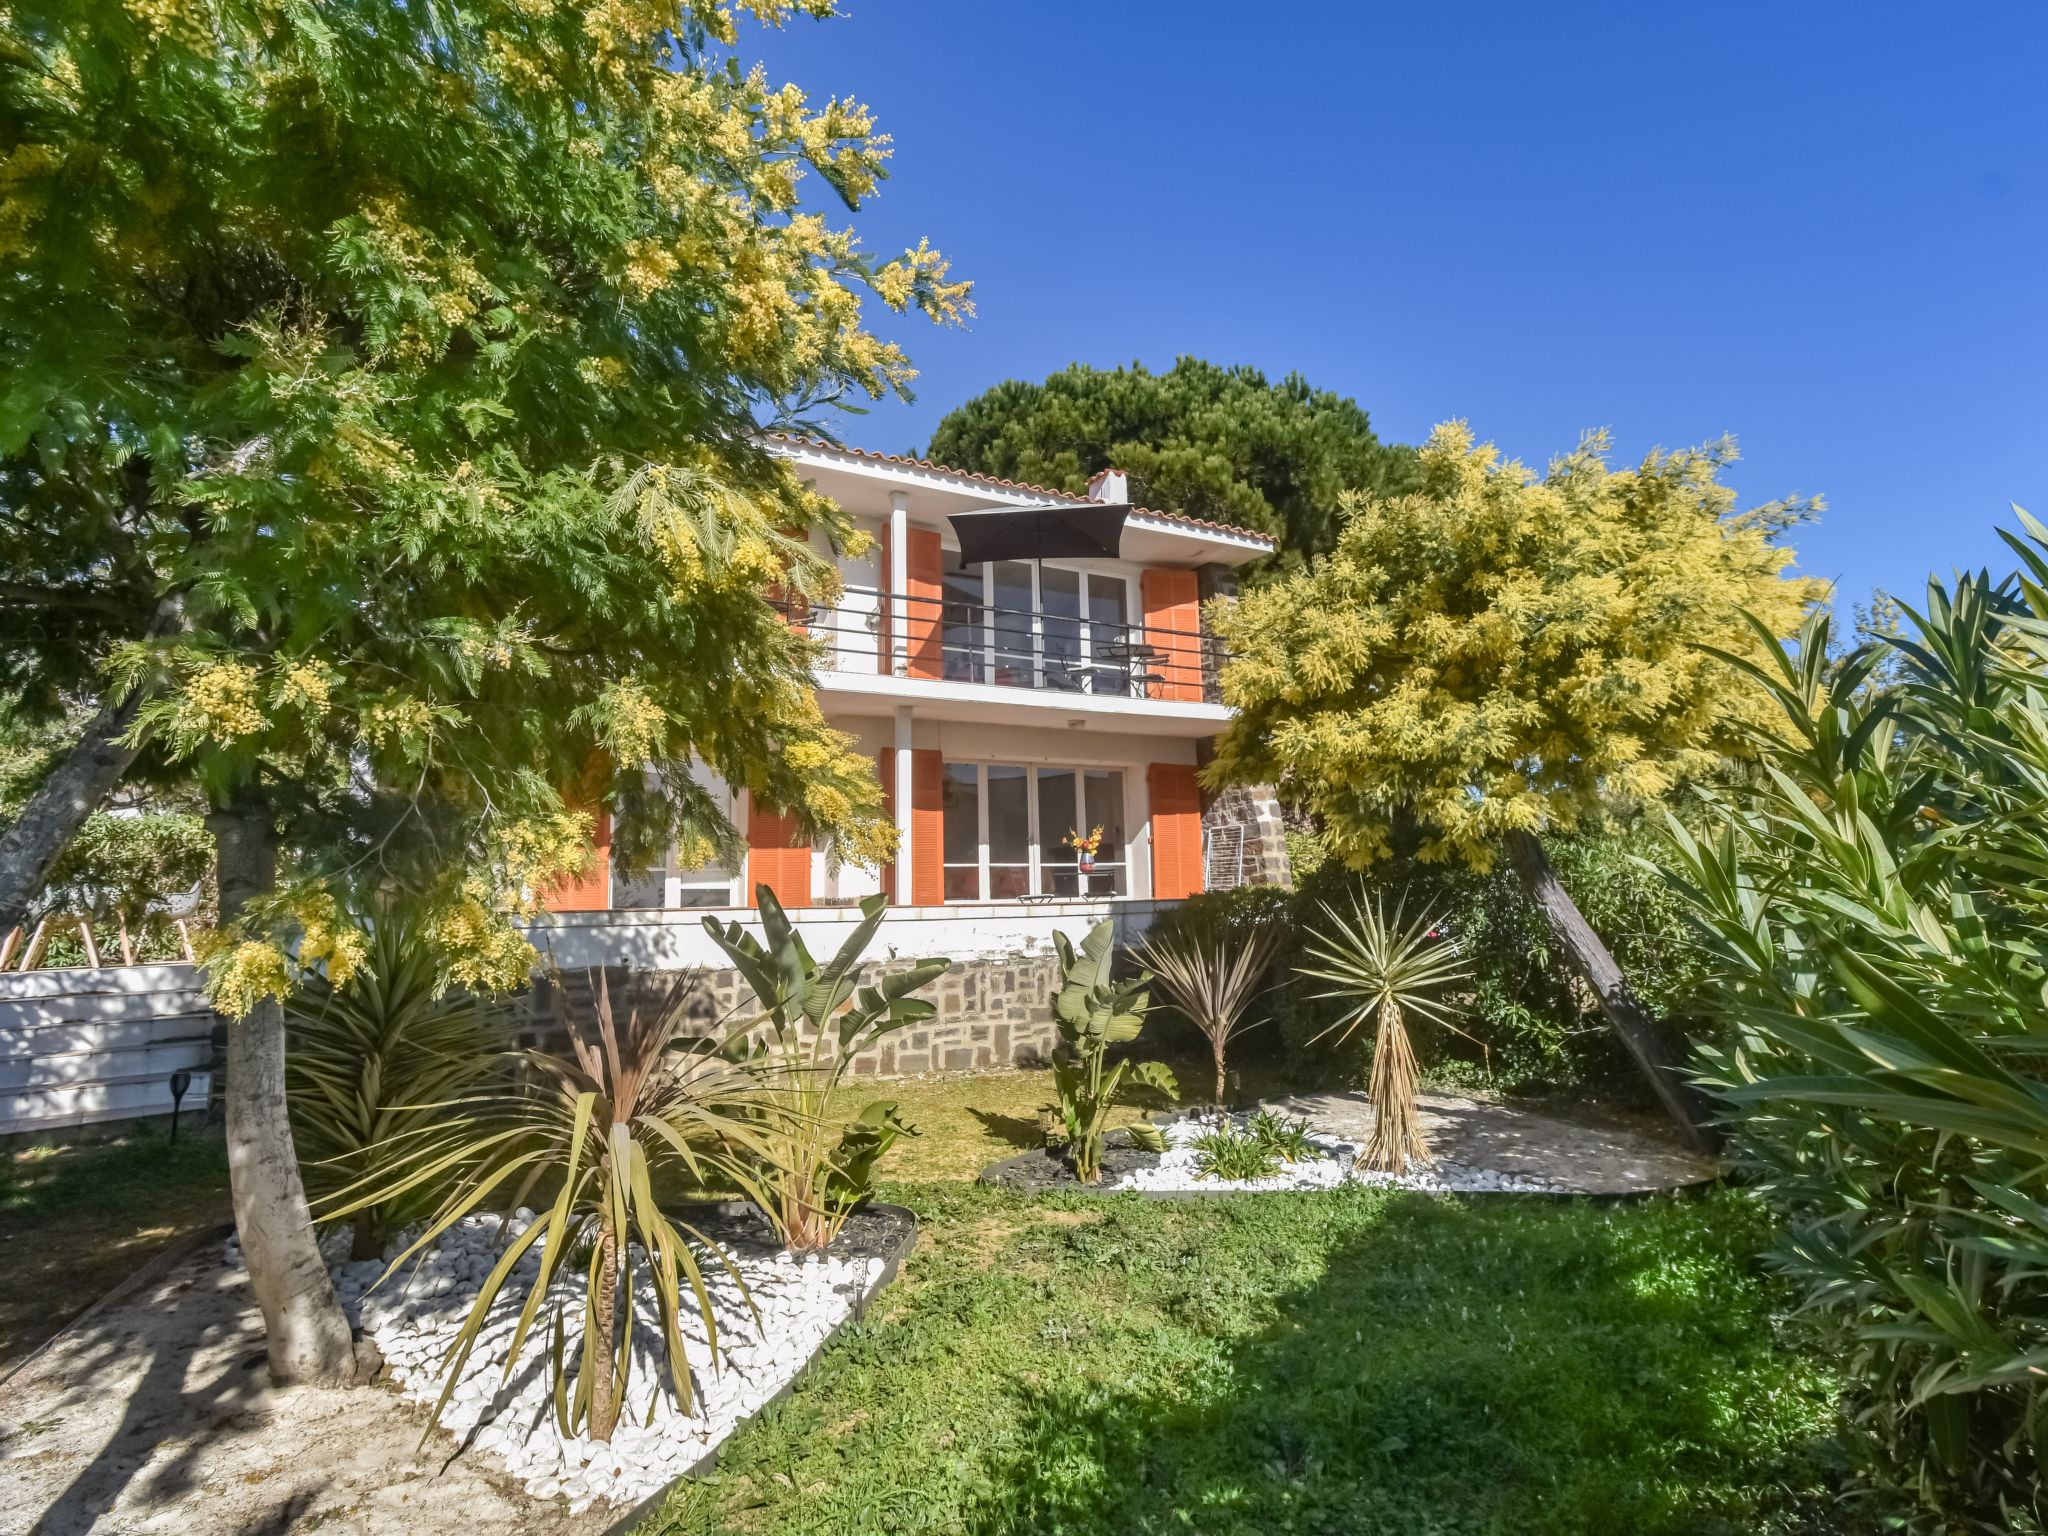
1179 519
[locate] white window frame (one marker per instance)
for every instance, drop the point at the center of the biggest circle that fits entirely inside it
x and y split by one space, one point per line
1036 846
1133 611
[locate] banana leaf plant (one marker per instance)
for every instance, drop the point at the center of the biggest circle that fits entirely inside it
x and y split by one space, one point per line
611 1139
1093 1012
809 1022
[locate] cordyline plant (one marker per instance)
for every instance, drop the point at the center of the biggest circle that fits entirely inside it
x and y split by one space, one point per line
1094 1012
386 1063
380 456
1385 970
614 1134
1212 980
818 1165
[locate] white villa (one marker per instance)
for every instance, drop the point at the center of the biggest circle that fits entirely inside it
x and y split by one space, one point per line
1006 704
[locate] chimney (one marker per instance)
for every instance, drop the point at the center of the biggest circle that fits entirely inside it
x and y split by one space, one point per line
1111 485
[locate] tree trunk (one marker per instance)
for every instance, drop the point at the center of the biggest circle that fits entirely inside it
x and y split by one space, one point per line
76 787
1593 962
598 1354
307 1332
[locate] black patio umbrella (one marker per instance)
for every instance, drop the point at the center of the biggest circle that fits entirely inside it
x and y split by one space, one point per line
1093 532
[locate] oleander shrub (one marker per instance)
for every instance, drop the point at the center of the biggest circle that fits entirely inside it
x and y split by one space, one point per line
1874 907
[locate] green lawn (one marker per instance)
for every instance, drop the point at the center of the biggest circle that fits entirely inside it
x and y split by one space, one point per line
77 1220
1338 1363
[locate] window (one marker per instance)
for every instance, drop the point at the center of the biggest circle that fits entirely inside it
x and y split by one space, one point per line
1023 624
962 809
1006 830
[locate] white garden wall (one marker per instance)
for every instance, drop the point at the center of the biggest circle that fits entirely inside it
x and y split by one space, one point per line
80 1046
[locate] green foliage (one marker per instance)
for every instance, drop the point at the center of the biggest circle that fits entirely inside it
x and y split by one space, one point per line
1529 1022
1093 1012
382 394
1875 901
817 1166
1500 652
608 1140
387 1064
1201 440
1288 1139
1355 1362
118 865
1226 1153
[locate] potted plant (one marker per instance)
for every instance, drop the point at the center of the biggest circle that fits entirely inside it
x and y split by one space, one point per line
1085 848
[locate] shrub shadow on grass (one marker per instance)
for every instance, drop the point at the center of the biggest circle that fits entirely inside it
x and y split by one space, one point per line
1457 1369
1020 1131
1348 1362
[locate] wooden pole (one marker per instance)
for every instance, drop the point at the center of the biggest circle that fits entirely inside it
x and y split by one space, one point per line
37 940
92 950
127 944
185 938
7 945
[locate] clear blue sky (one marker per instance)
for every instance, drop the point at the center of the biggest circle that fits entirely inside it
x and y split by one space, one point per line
1819 227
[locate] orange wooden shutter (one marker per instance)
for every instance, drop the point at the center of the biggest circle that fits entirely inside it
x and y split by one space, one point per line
778 857
590 891
925 579
1176 831
927 828
1173 623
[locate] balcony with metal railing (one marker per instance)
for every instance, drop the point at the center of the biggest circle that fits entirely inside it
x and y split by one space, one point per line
951 640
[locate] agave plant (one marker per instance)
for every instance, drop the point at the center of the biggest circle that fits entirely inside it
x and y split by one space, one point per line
1386 969
1212 981
819 1164
637 1117
383 1064
1093 1012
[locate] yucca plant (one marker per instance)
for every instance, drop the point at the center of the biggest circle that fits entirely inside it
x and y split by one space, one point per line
1383 970
385 1063
1212 980
811 1020
1093 1012
609 1139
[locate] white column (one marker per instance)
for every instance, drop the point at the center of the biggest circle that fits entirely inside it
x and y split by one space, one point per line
899 584
903 790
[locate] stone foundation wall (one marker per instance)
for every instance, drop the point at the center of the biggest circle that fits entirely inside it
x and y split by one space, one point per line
992 1012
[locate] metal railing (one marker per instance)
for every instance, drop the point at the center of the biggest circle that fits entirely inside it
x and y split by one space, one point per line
960 641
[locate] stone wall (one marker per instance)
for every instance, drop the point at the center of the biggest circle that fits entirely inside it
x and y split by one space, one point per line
1257 812
992 1012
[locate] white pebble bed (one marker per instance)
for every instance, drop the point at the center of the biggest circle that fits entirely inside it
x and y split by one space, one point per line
1328 1165
416 1316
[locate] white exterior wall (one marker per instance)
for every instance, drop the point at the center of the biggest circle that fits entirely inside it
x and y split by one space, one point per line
676 941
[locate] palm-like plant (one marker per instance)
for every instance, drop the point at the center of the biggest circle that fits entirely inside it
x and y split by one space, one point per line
1093 1012
1212 981
385 1063
1385 969
634 1110
817 1018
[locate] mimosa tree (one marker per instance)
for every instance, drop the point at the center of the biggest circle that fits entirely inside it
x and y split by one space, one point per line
1502 654
376 452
